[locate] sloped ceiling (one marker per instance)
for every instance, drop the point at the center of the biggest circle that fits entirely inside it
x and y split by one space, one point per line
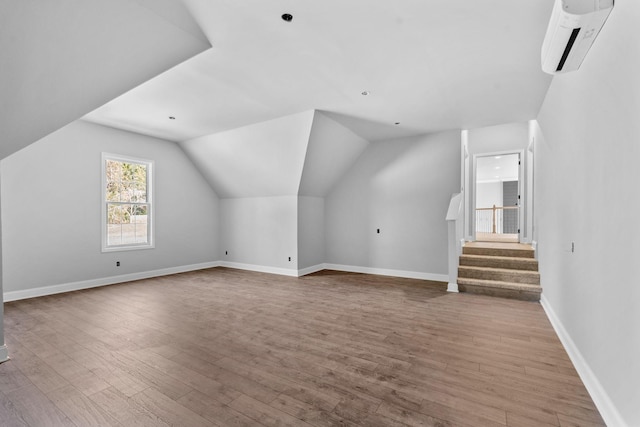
428 66
259 160
61 59
331 150
302 154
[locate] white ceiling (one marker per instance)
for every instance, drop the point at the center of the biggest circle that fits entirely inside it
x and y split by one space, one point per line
259 160
497 168
301 154
60 60
430 65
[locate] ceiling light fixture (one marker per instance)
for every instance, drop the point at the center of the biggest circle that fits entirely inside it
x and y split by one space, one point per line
287 17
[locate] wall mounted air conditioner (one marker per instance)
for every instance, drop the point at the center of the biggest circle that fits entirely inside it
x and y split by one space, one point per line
572 29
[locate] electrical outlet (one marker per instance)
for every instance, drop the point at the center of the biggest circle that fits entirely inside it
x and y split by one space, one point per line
378 231
289 258
117 263
226 252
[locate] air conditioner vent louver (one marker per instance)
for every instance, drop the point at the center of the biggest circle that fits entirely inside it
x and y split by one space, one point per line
567 49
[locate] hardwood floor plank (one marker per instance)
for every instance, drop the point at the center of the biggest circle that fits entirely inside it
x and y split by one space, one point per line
79 408
215 411
37 371
411 418
479 411
312 414
236 348
517 420
36 409
11 377
168 410
176 373
9 414
570 421
124 409
265 414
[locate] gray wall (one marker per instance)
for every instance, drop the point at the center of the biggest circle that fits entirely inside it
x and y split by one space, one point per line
311 231
586 190
260 231
3 349
51 206
402 187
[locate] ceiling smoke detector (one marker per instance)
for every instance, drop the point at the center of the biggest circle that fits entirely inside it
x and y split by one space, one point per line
287 17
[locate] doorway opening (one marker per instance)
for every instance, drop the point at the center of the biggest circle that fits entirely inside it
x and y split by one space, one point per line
497 198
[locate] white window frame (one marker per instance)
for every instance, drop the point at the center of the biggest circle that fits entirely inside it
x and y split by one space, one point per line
104 204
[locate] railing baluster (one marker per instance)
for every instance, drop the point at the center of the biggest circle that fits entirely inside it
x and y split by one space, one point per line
494 220
495 224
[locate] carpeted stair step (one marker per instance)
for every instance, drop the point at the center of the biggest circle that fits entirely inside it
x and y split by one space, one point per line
521 291
515 252
499 262
499 274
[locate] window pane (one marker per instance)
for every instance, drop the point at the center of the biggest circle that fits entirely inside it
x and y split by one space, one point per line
114 170
140 213
140 219
126 191
116 214
114 232
127 224
113 191
128 234
140 191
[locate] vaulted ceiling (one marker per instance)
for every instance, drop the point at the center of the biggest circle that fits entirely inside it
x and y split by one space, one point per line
301 154
242 90
427 65
61 59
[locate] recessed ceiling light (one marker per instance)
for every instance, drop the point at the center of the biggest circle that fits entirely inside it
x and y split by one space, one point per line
497 167
171 118
287 17
365 93
498 157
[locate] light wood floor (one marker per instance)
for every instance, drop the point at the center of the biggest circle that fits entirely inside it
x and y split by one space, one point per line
498 245
231 348
495 237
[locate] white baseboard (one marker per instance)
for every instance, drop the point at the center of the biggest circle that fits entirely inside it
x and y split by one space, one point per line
4 353
338 267
260 268
312 269
389 272
598 394
93 283
452 287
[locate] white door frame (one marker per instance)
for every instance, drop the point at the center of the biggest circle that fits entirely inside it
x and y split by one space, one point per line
472 200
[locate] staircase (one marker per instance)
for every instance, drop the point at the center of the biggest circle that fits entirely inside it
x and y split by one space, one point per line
507 270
